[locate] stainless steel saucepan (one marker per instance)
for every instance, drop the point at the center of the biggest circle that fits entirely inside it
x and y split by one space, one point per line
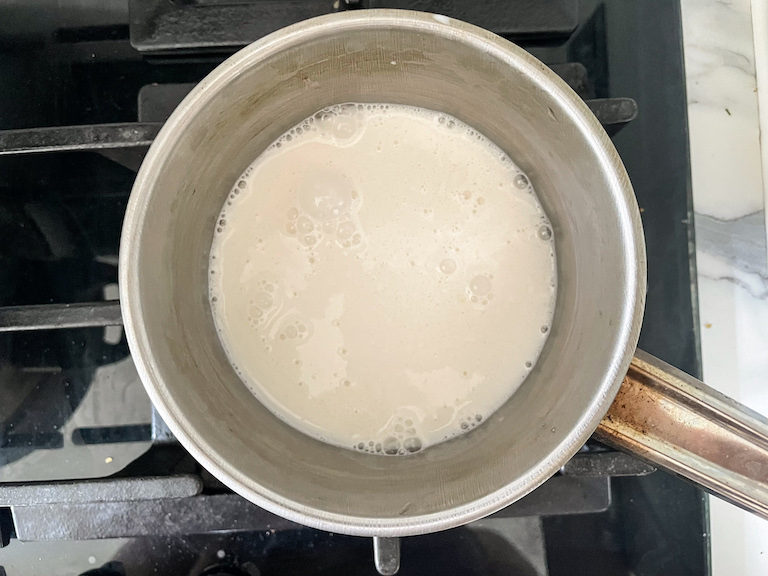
660 414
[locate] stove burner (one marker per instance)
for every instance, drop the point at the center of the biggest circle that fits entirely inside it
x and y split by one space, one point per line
73 408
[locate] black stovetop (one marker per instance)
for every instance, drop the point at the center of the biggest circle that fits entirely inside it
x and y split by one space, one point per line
71 404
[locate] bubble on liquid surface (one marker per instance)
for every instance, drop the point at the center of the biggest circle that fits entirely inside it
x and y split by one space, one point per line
544 232
391 445
345 230
304 225
412 444
344 127
520 181
263 300
448 266
325 194
309 240
480 285
294 328
255 312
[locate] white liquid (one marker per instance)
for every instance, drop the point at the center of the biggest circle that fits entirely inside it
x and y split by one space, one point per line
382 277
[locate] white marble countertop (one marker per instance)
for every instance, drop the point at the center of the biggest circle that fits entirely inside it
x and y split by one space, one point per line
726 59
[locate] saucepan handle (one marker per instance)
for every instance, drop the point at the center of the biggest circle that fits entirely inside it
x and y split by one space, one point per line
386 555
679 423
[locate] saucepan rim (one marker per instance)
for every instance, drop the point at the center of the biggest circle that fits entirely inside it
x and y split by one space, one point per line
604 391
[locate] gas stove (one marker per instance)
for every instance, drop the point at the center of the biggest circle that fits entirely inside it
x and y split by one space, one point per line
91 479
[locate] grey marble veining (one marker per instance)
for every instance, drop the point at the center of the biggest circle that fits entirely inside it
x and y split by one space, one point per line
724 117
740 241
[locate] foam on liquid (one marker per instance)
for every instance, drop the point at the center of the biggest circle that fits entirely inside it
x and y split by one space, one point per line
382 277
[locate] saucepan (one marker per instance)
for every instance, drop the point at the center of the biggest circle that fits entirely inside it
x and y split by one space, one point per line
589 378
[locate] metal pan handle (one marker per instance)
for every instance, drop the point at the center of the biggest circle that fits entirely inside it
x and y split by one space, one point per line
386 555
679 423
